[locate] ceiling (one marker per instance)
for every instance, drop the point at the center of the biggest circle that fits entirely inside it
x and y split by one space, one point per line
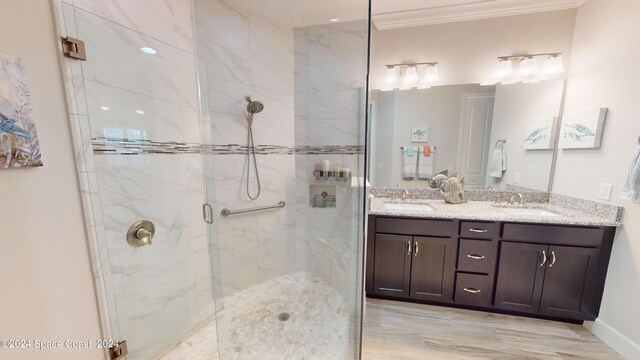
392 14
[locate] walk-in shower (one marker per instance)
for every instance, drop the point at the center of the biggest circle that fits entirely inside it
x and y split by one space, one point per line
253 107
159 132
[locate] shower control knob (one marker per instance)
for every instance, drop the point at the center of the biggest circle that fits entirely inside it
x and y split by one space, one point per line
141 233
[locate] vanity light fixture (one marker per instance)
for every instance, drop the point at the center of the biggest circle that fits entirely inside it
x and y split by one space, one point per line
527 69
553 65
410 76
390 78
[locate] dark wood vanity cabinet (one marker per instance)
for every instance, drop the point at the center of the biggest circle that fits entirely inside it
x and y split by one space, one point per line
393 273
416 267
543 270
554 276
431 269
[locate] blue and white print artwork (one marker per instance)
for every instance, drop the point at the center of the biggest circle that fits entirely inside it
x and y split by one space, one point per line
539 134
19 146
583 130
419 134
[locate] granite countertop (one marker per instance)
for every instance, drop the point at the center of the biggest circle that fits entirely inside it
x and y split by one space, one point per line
488 211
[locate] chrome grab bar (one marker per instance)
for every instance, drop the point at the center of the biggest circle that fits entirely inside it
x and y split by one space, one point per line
227 212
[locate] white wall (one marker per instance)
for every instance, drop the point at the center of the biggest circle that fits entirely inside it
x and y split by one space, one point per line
439 108
45 274
517 105
467 51
604 73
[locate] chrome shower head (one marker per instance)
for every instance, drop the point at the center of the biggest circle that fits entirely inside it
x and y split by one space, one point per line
254 107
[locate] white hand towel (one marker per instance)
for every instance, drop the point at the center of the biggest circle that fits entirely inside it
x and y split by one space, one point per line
504 159
498 163
631 190
409 163
425 165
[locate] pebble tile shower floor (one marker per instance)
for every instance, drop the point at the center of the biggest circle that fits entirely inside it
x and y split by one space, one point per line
249 328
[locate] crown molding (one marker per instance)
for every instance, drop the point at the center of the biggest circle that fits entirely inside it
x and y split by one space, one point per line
466 12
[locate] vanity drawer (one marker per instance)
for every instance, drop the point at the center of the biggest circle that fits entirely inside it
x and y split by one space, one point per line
472 289
554 234
477 230
475 256
443 228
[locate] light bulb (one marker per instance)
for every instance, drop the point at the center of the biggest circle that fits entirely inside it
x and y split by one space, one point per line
410 76
390 77
553 65
504 69
528 67
431 75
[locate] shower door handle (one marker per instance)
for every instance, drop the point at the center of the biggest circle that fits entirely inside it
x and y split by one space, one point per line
207 213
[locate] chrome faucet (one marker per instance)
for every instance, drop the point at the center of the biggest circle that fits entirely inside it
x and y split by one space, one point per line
491 188
512 198
405 194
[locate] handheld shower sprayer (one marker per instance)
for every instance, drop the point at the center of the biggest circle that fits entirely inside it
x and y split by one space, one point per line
253 107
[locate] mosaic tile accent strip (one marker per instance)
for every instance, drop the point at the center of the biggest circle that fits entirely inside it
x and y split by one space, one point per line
111 146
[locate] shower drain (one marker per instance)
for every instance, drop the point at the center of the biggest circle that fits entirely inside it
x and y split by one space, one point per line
284 316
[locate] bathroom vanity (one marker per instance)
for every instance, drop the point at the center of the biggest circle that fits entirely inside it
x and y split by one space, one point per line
538 260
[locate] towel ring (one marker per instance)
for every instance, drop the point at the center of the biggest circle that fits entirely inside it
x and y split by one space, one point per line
502 141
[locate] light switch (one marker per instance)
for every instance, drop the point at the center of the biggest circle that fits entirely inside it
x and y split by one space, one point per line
380 166
605 191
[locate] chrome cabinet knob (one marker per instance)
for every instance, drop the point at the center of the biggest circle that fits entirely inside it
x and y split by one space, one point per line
141 233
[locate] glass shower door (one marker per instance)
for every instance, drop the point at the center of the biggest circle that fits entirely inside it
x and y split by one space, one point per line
288 280
135 112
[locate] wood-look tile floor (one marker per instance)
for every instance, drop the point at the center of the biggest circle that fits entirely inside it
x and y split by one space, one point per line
399 330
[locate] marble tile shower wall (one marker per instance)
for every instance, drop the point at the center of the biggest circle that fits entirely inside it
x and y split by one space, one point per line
245 47
330 75
150 296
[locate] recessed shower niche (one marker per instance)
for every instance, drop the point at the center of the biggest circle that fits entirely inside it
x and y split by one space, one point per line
322 196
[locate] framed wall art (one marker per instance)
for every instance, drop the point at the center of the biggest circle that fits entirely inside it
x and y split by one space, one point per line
583 130
419 134
19 146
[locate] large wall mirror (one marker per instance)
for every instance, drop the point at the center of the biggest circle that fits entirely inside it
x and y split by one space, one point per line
483 100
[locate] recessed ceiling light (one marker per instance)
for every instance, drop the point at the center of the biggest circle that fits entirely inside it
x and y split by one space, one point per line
141 112
148 50
334 19
105 108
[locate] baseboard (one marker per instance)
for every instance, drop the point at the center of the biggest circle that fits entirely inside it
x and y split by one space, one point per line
612 337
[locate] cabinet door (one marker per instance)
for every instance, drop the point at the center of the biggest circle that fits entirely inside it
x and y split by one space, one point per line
568 282
520 276
432 271
392 265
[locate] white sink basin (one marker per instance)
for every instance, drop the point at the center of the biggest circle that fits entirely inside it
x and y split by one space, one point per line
527 212
409 207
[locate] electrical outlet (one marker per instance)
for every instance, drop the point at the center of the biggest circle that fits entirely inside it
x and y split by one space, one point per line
604 193
380 166
516 178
